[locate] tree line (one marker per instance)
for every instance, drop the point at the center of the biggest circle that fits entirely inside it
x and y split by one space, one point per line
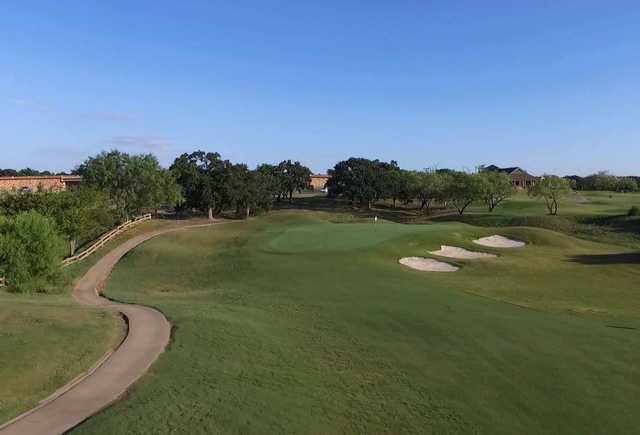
38 229
604 181
27 172
365 182
212 184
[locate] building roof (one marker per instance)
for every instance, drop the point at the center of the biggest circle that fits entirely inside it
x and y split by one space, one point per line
509 171
44 177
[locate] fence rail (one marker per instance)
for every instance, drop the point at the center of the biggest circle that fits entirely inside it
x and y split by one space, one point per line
104 239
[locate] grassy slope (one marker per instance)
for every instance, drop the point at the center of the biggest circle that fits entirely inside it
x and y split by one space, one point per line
293 324
47 340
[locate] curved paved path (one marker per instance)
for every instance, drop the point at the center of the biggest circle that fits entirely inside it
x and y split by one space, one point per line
148 335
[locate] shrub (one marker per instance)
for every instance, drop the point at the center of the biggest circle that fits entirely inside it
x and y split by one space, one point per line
634 211
30 252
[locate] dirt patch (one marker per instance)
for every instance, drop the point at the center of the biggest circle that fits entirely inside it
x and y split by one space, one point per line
461 253
427 264
497 241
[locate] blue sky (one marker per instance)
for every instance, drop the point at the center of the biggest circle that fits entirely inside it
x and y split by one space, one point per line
551 86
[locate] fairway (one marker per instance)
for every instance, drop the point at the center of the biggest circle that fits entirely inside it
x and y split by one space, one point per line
292 323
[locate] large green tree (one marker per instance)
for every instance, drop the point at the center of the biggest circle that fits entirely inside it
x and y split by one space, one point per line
293 177
495 188
30 251
626 184
399 184
430 188
134 182
247 191
462 189
551 188
271 176
359 179
79 214
201 176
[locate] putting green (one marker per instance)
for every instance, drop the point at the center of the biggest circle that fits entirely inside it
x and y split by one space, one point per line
328 236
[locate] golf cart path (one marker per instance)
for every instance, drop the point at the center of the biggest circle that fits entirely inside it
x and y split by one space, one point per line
147 336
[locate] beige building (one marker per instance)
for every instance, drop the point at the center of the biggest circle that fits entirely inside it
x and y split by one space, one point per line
319 181
42 183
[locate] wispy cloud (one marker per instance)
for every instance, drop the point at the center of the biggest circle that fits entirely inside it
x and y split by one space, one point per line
112 117
33 106
149 143
39 107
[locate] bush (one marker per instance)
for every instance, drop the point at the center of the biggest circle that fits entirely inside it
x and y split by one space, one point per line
30 252
634 211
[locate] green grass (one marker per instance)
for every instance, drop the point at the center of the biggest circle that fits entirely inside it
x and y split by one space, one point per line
291 323
46 343
46 340
597 216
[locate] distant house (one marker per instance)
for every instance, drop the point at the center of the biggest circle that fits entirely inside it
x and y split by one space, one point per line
46 183
520 178
319 181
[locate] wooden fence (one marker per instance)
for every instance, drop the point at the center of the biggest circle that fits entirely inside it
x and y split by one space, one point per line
105 238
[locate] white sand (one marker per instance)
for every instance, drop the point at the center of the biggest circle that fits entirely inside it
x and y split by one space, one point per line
499 242
461 253
427 264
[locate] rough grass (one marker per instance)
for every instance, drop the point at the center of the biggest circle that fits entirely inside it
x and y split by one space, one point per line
46 340
46 344
273 334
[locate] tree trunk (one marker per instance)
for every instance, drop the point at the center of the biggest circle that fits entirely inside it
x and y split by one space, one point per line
248 212
210 213
394 203
549 204
72 247
290 196
464 207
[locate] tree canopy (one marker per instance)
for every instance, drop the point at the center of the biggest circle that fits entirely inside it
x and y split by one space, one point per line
462 189
495 188
79 214
293 177
210 183
360 179
30 251
134 182
201 176
551 188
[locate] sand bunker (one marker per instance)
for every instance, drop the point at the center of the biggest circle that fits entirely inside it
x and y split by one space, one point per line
461 253
427 264
499 242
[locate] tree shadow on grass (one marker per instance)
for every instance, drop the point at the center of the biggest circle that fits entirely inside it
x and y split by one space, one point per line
403 213
629 258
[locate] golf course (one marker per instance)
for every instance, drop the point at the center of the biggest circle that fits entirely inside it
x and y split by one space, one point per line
320 218
304 321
